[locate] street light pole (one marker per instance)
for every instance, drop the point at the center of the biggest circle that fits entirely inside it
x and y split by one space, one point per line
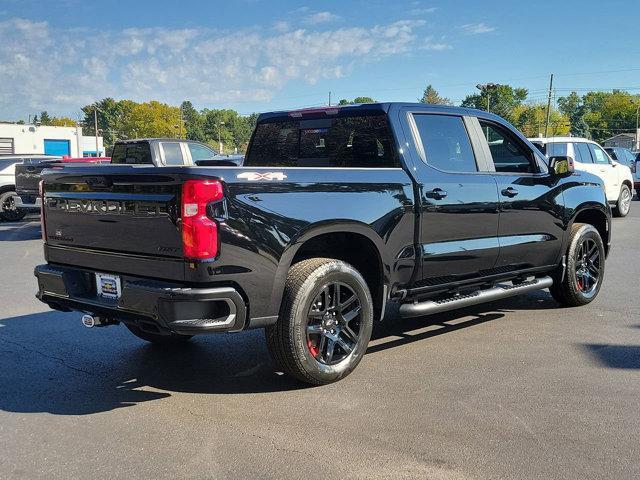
219 125
488 87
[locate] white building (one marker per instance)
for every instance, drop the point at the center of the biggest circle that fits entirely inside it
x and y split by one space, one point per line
26 139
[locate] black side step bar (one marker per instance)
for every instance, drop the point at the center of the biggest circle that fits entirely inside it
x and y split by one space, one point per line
417 309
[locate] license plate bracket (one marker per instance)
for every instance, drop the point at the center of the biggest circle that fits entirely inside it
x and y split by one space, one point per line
108 286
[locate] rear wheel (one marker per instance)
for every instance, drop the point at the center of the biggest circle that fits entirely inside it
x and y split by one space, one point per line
623 204
585 268
325 321
158 339
8 210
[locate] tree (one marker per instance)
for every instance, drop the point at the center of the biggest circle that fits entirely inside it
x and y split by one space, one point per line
503 99
112 117
531 120
356 100
192 122
152 119
430 95
45 119
62 122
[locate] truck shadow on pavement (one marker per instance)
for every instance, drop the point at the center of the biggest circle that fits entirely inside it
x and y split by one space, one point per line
50 363
19 231
625 357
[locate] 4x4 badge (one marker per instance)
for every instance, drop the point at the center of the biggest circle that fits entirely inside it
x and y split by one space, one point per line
262 176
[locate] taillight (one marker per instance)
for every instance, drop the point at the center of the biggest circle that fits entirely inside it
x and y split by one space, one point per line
633 167
41 195
199 232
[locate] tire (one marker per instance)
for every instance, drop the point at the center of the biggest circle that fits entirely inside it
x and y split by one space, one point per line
575 289
325 322
7 209
158 339
623 205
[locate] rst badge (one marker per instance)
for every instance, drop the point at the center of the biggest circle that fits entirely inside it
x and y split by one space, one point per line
253 176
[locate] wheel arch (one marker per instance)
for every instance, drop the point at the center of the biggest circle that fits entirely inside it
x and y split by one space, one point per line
596 217
353 242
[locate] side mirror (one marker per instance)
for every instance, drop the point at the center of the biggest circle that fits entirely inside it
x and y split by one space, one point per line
561 166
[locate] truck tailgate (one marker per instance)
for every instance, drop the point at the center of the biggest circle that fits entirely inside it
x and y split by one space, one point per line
28 175
116 209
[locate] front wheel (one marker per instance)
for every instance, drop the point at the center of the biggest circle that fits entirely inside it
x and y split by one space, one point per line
325 321
8 210
585 268
623 205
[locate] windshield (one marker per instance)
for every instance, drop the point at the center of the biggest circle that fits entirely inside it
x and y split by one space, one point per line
347 141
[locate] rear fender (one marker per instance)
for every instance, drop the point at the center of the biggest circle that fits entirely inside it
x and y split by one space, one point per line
316 230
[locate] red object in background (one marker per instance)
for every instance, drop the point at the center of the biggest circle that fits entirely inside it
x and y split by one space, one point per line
68 159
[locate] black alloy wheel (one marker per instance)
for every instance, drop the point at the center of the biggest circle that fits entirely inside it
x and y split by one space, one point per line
333 323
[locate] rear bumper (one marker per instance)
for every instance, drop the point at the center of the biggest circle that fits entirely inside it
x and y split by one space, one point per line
150 304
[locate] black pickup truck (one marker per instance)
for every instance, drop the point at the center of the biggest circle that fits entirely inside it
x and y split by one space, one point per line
336 212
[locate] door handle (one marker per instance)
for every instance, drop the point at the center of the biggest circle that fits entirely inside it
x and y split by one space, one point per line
436 194
509 192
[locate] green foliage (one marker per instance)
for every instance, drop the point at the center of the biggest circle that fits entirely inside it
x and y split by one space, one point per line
45 119
430 95
601 114
121 119
192 122
503 100
531 120
356 100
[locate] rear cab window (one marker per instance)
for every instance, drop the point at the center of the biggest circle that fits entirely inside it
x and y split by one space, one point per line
347 140
138 153
171 153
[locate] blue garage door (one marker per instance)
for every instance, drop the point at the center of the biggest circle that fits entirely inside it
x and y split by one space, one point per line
57 147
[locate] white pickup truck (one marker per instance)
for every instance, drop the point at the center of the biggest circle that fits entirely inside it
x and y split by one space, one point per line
591 157
8 210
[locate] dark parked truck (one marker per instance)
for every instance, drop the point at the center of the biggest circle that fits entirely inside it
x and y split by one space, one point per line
336 212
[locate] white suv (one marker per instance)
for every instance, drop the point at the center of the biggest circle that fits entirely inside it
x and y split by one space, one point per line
591 157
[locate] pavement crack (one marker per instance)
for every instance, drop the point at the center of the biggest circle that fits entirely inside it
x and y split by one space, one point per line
59 360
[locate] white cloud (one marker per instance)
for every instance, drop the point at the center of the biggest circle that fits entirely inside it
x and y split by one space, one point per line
476 28
320 17
436 46
418 11
45 68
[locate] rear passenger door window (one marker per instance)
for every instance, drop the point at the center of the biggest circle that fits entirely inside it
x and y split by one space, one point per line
585 153
443 143
171 153
510 154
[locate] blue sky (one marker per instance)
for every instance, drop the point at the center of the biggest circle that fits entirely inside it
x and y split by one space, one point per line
259 55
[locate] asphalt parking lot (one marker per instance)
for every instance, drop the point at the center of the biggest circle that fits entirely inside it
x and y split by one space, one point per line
515 389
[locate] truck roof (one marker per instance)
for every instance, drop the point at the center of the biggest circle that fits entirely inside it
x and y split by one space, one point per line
382 107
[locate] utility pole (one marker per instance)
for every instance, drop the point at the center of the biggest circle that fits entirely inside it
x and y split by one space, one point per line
329 97
546 126
95 125
637 129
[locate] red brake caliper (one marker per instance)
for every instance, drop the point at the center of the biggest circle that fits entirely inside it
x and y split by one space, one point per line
312 348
